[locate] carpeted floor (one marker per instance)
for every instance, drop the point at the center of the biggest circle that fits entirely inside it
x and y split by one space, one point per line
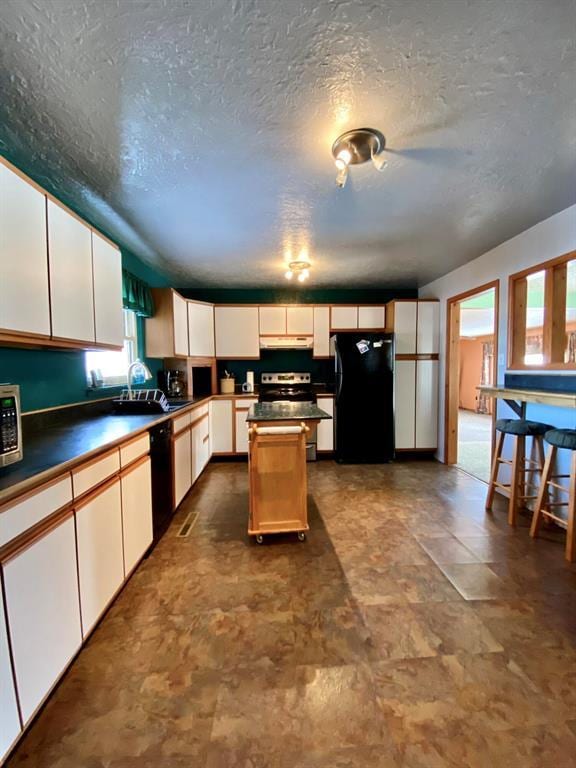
474 443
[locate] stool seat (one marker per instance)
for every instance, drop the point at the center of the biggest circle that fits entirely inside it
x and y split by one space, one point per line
562 438
523 427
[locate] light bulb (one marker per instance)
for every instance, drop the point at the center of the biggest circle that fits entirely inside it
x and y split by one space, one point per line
343 159
301 277
379 162
341 176
288 274
306 273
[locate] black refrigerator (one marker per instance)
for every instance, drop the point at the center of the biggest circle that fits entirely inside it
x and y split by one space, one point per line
364 401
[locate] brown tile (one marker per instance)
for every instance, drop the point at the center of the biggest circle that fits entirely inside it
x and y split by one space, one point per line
459 628
425 584
350 757
398 632
476 581
446 549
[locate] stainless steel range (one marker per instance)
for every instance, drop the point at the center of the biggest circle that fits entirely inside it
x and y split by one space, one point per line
290 388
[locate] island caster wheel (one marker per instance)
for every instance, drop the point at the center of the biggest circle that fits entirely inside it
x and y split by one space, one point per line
301 536
260 539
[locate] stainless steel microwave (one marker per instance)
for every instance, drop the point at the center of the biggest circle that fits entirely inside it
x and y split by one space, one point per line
10 425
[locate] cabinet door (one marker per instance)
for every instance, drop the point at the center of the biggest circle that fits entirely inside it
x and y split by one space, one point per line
326 427
404 403
321 331
180 309
237 332
242 426
182 466
24 302
372 317
428 330
107 292
344 318
43 612
221 426
200 330
272 321
200 448
136 513
10 719
100 557
427 404
300 321
405 327
71 285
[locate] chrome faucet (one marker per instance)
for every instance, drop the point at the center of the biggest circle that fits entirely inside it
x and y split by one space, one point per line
131 368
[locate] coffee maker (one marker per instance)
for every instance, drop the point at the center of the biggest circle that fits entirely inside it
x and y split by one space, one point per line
172 383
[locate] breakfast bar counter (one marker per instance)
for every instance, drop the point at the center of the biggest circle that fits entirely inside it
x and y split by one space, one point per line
517 398
277 466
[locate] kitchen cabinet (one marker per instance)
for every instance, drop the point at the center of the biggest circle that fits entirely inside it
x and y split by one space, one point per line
326 427
71 283
180 309
426 434
200 329
21 514
237 332
136 485
167 330
221 426
272 321
24 294
300 321
371 318
43 610
100 555
427 332
344 318
200 447
321 332
405 404
10 726
108 312
241 425
182 463
405 313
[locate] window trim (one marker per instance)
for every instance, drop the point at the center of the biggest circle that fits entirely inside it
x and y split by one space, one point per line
554 315
114 382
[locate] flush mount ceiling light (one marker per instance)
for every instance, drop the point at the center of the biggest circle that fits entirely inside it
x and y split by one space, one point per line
299 269
355 147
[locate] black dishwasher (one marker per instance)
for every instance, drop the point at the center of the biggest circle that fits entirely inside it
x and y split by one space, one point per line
162 494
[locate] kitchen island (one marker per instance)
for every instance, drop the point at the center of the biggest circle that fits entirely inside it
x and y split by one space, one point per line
277 466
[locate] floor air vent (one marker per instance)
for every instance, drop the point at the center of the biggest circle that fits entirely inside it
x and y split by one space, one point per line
187 525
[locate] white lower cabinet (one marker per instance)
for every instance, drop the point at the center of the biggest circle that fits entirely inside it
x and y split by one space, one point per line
221 420
241 432
200 448
43 610
182 458
326 427
405 403
136 513
426 404
100 555
9 718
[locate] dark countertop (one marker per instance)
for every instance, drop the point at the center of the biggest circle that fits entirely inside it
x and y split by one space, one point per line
286 412
52 448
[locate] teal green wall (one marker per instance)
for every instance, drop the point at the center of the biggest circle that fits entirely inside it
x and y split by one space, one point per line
298 296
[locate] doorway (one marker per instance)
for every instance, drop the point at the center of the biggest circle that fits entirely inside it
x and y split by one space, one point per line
471 360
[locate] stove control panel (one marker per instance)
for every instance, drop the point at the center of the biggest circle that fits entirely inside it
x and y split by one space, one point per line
286 378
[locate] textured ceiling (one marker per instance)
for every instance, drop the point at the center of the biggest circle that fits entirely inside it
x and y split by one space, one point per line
198 133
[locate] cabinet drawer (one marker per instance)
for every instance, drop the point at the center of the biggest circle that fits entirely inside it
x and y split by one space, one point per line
131 451
34 507
91 475
181 422
198 413
245 404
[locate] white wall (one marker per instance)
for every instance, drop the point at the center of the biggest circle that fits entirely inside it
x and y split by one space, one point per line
546 240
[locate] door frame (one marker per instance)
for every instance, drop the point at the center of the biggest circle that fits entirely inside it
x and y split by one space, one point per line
452 370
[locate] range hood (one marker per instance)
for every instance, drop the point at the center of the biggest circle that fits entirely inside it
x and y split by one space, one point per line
286 342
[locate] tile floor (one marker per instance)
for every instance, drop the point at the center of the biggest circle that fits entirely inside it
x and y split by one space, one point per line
411 630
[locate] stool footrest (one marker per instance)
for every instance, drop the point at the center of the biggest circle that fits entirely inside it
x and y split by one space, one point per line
554 517
557 485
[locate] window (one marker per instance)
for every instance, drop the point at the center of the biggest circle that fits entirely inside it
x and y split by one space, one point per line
543 316
110 368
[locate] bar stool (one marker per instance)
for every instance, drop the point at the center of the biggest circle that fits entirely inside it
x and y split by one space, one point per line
520 429
566 439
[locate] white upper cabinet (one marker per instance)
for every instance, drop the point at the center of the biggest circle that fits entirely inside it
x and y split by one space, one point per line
344 318
107 266
200 329
272 321
180 308
321 331
300 321
237 332
405 313
372 317
71 286
427 342
24 302
10 727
